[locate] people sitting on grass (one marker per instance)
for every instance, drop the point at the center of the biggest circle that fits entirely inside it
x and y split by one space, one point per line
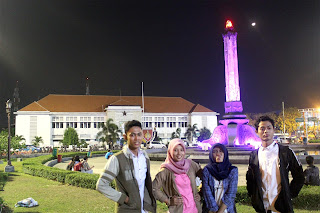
85 166
71 163
311 173
76 161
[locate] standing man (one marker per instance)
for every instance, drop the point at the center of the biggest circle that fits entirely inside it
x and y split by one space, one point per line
131 170
267 176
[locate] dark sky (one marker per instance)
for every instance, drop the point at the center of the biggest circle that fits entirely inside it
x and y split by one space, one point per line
174 47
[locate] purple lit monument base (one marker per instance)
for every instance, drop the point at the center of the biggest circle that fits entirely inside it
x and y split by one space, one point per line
234 130
233 107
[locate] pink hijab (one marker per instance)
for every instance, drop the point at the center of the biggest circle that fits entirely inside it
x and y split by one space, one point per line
180 167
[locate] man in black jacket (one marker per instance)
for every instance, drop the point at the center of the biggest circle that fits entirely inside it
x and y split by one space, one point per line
267 176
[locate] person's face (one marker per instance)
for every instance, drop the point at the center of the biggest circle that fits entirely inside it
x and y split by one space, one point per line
266 132
134 137
178 153
218 155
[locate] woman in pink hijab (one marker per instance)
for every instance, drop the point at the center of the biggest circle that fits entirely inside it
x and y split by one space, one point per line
175 184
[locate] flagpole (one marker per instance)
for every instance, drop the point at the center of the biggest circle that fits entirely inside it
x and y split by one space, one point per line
142 102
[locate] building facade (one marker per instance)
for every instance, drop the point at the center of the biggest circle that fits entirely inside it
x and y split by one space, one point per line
53 114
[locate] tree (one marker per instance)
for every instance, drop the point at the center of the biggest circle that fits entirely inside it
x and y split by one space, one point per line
253 117
83 143
204 134
37 140
314 129
15 142
110 133
191 132
176 134
70 137
290 115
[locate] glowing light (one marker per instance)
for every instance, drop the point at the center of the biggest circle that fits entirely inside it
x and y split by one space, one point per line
229 24
253 24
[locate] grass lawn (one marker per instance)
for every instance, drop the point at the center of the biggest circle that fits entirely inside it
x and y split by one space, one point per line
53 196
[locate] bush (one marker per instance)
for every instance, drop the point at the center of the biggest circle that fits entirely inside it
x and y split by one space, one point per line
242 195
83 180
307 199
314 141
35 167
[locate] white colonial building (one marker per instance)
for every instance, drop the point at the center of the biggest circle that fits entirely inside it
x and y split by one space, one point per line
50 116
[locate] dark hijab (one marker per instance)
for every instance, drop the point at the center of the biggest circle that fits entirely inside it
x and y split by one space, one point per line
219 170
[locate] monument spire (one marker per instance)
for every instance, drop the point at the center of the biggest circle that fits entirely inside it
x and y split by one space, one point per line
234 130
233 103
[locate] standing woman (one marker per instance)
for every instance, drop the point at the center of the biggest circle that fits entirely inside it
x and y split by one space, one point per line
175 184
220 182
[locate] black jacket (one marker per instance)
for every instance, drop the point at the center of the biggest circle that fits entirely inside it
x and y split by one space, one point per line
288 162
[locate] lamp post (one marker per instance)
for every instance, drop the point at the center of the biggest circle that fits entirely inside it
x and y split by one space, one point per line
9 167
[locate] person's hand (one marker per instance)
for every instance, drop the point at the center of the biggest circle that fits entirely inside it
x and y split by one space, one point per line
175 200
126 201
197 197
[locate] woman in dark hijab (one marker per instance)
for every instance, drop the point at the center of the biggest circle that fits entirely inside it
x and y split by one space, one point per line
220 182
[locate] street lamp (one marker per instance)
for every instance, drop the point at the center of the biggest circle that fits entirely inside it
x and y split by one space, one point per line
9 167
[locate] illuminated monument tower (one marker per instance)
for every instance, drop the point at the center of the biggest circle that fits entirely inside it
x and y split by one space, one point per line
234 130
233 103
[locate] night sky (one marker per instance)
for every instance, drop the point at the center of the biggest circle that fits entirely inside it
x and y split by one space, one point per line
174 47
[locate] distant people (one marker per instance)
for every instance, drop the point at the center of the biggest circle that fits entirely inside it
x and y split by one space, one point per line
131 169
305 140
85 166
220 182
71 163
109 154
175 184
267 176
311 173
76 161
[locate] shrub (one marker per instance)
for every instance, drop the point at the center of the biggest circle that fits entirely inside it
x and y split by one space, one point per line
242 195
308 197
314 141
35 167
83 180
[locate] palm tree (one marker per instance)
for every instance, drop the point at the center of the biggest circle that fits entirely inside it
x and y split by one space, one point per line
110 133
37 140
176 134
191 132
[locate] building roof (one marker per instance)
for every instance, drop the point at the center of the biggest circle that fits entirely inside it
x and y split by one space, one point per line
98 103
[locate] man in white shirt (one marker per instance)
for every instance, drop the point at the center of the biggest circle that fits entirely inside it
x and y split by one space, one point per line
131 170
267 176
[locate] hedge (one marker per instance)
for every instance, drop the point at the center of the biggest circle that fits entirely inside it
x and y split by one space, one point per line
307 199
35 167
314 141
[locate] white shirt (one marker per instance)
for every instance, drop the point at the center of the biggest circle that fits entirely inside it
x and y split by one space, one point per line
270 174
219 192
140 173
